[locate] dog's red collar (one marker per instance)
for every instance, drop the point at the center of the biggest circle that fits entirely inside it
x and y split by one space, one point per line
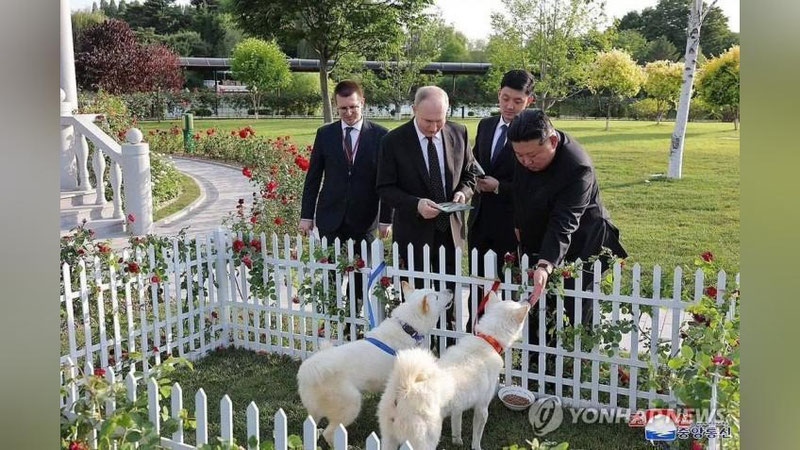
492 341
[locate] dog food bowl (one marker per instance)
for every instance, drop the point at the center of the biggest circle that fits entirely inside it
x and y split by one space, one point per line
515 398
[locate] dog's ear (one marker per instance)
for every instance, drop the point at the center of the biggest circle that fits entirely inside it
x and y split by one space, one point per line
522 312
493 298
407 290
425 306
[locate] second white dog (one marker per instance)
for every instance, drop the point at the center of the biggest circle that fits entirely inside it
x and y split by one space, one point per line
421 390
331 381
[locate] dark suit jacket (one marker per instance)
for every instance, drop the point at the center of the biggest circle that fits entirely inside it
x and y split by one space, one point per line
403 178
347 197
558 210
491 220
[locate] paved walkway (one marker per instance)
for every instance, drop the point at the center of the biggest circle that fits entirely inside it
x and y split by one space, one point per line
222 187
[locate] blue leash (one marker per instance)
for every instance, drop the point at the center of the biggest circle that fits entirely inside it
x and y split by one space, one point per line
381 345
371 282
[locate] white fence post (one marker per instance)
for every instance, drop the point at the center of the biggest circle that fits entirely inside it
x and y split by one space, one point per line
177 406
226 419
279 434
252 426
309 434
340 438
152 402
201 415
223 283
137 186
373 443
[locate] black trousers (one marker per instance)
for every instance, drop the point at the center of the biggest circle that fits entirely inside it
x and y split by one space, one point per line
344 233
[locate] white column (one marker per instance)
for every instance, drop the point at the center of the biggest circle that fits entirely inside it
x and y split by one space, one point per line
69 168
67 56
136 175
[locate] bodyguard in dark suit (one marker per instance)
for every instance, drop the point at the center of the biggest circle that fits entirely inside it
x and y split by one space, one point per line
557 208
345 161
424 162
345 155
490 222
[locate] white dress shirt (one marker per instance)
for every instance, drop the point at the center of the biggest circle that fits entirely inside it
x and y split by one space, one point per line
437 142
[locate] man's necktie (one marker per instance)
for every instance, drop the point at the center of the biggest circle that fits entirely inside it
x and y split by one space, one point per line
501 142
348 145
437 184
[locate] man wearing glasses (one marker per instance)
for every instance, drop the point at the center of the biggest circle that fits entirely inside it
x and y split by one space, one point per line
345 162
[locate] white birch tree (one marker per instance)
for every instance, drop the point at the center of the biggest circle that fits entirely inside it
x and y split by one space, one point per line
697 14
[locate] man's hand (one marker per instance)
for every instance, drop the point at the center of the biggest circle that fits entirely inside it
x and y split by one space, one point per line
539 282
459 197
427 208
516 233
306 225
488 184
384 229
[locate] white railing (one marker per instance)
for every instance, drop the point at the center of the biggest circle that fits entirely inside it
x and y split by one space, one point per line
207 300
129 161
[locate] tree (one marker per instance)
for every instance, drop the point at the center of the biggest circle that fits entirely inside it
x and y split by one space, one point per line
94 7
262 66
453 46
696 18
632 42
615 74
112 10
108 57
668 19
661 49
402 63
543 36
718 83
663 84
331 27
186 43
81 20
161 72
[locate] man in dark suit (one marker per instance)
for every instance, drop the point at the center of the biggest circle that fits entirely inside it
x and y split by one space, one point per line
557 209
346 155
422 163
490 225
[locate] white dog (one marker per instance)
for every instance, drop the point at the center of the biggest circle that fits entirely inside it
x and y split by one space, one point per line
332 380
421 390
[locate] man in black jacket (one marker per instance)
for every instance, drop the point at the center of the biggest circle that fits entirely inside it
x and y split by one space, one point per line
557 209
490 227
345 154
424 162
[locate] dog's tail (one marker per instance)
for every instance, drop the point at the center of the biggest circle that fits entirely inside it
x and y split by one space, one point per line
415 394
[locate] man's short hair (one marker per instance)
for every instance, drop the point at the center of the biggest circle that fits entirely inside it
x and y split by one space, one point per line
529 125
346 88
520 80
425 92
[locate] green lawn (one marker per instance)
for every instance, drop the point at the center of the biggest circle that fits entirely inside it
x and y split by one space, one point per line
270 381
190 191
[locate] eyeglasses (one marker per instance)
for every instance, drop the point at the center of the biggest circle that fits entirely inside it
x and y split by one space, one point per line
344 109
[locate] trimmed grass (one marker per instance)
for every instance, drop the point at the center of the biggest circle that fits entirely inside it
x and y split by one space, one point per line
270 381
662 222
190 191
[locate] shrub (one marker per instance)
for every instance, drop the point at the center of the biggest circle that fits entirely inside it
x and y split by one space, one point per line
166 179
202 112
645 109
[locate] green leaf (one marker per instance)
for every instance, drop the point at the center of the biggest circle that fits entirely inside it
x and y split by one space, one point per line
133 436
295 442
687 352
675 363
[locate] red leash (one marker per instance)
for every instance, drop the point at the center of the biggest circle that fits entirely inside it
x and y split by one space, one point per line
482 306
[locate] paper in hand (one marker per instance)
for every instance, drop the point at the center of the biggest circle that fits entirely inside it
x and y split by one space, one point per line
451 207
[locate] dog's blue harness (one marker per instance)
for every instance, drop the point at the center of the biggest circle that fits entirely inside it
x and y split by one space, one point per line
418 338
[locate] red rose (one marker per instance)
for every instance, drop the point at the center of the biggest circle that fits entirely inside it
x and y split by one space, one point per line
133 267
566 274
386 282
302 163
697 445
323 260
360 263
256 244
247 172
214 314
99 372
210 131
247 261
720 360
81 251
711 291
509 258
155 349
103 248
197 136
77 445
254 219
155 279
707 256
272 186
243 133
349 269
131 218
295 300
278 221
701 319
238 245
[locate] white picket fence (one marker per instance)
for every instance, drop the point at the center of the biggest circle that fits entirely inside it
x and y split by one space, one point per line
206 301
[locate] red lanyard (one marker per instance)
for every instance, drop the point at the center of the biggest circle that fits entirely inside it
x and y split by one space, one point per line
485 300
355 146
